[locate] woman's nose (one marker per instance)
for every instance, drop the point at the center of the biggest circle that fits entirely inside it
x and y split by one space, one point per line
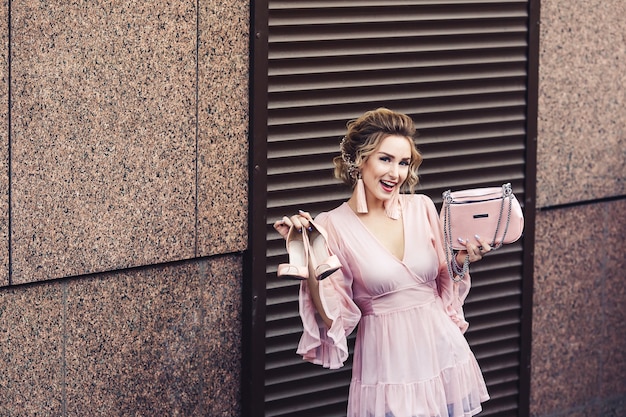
394 170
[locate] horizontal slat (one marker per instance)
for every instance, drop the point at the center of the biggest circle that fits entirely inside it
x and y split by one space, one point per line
386 47
296 6
426 27
453 100
316 404
289 92
305 14
332 132
278 375
429 114
364 66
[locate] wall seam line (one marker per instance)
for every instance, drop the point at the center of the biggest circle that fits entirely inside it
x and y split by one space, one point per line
63 353
9 153
197 155
582 203
113 272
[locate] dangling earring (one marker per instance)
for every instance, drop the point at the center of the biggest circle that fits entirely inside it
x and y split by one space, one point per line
353 171
392 206
361 201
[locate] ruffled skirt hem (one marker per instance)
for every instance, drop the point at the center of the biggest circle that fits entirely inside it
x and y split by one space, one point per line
455 392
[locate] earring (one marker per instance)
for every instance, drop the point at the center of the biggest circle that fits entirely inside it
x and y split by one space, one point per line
361 201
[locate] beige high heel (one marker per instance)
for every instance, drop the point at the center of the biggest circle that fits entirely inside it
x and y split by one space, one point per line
323 261
298 249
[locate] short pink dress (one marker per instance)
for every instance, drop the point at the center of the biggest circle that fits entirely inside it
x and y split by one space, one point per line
411 358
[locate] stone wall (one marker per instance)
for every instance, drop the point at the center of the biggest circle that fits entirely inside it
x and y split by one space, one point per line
578 365
123 206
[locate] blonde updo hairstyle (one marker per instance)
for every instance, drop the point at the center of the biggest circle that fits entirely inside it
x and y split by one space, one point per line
365 135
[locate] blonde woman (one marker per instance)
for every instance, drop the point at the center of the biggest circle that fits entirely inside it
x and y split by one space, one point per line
391 278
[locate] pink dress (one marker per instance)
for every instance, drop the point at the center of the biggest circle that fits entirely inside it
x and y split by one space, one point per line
411 358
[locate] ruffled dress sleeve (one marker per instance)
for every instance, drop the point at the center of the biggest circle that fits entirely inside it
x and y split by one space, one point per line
453 294
319 344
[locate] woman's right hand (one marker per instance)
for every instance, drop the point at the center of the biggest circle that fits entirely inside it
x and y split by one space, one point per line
300 220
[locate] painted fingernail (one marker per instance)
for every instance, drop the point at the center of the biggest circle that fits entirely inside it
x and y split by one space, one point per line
461 240
310 228
477 237
300 211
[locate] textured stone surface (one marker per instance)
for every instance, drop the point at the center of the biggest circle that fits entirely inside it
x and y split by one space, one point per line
565 364
614 355
223 72
4 146
31 351
578 314
161 341
152 342
582 96
103 136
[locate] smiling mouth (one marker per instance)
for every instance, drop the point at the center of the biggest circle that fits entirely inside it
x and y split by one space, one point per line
388 186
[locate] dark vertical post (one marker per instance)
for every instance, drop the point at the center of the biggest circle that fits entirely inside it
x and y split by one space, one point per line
254 290
529 204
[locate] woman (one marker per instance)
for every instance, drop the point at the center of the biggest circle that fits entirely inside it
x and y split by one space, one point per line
411 358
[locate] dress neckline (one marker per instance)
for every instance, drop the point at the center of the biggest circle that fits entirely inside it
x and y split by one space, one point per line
378 242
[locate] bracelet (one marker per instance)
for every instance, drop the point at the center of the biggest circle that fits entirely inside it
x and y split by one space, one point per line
459 270
455 264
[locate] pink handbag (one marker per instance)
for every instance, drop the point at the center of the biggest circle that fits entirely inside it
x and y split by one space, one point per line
492 213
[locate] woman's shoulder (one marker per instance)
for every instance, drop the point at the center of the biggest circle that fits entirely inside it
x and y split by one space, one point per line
338 214
421 204
420 200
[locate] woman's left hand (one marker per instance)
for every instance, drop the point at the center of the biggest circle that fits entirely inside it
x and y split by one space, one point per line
475 252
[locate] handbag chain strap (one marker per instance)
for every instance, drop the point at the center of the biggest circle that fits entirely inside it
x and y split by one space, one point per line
507 194
457 273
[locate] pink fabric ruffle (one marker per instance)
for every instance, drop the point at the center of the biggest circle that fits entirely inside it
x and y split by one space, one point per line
319 345
455 392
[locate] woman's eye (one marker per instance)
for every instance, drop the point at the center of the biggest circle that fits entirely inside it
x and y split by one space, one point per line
405 163
385 158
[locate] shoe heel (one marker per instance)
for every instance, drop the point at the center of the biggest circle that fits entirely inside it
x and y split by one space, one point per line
324 263
297 247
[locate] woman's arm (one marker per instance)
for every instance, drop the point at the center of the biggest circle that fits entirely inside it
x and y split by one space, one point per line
301 221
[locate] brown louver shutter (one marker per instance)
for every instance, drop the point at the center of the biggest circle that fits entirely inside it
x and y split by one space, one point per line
459 68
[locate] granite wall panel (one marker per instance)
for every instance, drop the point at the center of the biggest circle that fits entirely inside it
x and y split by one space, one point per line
32 327
103 135
160 341
4 145
223 94
614 292
152 341
577 360
581 145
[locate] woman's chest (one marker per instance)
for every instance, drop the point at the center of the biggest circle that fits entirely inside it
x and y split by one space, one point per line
376 271
389 234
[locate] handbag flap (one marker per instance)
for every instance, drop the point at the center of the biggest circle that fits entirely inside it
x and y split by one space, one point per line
476 194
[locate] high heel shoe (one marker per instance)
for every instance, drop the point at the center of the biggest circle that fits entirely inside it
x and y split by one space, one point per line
298 250
323 261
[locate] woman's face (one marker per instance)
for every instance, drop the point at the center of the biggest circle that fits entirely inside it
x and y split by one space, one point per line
386 169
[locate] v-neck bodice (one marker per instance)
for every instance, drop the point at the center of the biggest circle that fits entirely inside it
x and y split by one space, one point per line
377 239
376 270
